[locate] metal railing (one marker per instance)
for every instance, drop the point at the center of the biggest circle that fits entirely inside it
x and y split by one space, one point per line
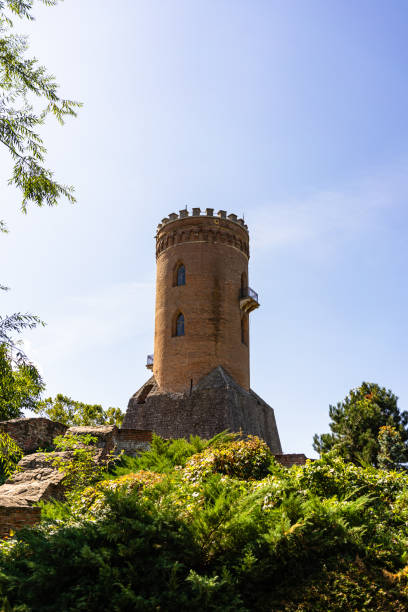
247 292
149 361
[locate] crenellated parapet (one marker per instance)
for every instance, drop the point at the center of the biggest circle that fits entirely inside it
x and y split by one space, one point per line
197 212
202 226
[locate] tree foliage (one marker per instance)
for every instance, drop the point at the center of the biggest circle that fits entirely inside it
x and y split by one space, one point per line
10 455
392 451
20 386
12 324
356 423
21 383
23 82
70 412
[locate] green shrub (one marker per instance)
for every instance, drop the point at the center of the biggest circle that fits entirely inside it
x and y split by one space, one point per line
82 467
164 455
224 532
245 459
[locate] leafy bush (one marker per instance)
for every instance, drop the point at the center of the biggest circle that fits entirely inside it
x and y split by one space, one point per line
20 382
90 503
164 455
83 465
243 459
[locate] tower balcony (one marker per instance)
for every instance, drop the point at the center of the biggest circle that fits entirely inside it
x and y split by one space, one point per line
149 362
248 300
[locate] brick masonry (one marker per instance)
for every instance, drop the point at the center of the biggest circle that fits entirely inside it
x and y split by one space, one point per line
32 433
215 252
133 441
15 515
289 459
216 403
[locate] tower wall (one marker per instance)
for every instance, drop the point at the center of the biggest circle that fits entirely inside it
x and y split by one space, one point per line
215 253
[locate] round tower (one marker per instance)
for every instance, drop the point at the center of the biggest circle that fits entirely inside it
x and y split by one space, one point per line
202 299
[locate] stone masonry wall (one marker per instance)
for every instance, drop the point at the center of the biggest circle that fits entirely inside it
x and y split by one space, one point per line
32 433
217 403
130 441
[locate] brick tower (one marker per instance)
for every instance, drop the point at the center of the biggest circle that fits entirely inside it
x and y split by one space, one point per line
202 283
201 383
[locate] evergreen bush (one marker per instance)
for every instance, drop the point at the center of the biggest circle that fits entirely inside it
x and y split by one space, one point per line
241 534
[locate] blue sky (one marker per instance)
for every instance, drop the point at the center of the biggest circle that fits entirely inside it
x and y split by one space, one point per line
293 113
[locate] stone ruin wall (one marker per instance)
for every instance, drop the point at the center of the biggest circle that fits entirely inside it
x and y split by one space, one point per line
216 404
33 433
205 416
37 479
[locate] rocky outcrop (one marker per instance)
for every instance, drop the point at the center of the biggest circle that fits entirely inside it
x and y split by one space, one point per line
35 479
32 433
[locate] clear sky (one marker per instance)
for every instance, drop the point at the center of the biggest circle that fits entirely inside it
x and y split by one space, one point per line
293 113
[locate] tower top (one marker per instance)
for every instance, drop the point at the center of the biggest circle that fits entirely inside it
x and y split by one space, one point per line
197 212
219 229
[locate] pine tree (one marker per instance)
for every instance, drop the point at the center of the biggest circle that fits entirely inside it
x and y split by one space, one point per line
356 423
392 451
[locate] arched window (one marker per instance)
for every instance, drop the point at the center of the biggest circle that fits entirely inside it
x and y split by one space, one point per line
180 325
181 275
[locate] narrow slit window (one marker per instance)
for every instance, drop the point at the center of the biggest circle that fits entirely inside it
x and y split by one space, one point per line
244 330
180 325
181 275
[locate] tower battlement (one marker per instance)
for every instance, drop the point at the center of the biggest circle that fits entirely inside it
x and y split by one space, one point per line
197 212
220 229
